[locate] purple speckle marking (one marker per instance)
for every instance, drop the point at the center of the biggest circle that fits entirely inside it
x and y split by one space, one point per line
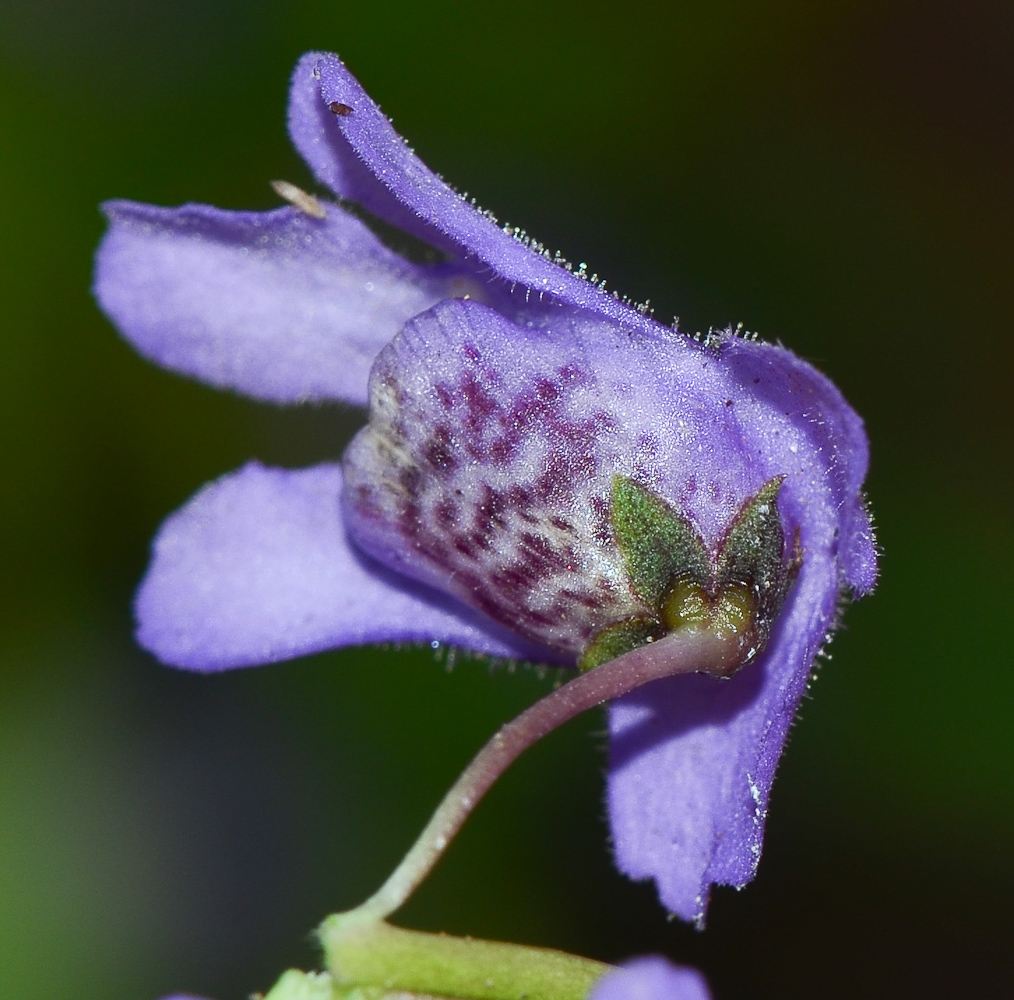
486 469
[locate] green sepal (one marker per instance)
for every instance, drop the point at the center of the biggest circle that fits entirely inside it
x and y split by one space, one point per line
671 571
751 552
615 640
657 544
369 958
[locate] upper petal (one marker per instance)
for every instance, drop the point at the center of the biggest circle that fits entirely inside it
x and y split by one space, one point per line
278 305
651 978
256 567
357 153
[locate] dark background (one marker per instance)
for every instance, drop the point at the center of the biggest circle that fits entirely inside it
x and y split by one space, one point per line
837 175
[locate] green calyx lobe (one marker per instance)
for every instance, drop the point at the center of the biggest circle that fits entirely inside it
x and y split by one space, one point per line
657 544
738 592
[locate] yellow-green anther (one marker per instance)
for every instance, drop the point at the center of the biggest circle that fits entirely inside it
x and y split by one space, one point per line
686 604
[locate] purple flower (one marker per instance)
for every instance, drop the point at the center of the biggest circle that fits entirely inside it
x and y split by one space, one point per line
651 978
547 472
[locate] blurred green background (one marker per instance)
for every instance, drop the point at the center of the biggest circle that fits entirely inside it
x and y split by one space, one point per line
836 175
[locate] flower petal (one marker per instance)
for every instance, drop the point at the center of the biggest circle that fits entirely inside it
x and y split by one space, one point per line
278 305
355 151
487 466
256 568
834 439
651 978
691 759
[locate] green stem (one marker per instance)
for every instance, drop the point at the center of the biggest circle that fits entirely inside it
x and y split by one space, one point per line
376 958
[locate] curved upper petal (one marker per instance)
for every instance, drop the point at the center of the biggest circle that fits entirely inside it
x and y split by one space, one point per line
357 153
278 305
651 978
256 567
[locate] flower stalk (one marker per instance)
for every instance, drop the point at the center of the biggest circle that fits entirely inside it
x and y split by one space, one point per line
689 650
367 956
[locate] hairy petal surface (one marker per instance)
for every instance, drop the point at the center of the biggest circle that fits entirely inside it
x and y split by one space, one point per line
651 978
357 153
827 442
277 305
692 760
256 567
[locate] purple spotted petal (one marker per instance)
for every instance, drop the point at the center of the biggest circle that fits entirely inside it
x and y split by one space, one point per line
278 305
651 978
358 154
257 568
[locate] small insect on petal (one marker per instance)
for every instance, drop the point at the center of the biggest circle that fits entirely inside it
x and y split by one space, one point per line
340 109
306 203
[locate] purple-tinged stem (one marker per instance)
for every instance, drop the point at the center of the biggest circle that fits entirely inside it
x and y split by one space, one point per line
683 652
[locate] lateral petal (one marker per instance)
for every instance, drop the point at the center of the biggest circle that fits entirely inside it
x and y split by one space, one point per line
692 759
256 567
277 305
